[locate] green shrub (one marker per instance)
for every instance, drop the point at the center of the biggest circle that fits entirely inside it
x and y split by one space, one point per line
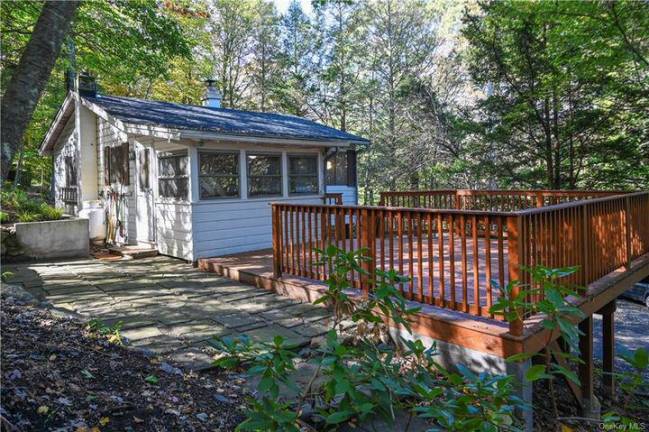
28 216
4 217
24 208
364 378
50 213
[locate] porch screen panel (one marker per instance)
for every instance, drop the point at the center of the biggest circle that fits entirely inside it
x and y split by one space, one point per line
264 175
303 174
173 177
218 174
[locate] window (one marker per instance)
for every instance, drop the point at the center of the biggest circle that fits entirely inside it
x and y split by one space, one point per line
341 168
70 171
116 168
264 175
173 179
218 174
143 173
303 174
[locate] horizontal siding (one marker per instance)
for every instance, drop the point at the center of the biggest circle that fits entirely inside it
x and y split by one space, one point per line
227 227
174 230
350 193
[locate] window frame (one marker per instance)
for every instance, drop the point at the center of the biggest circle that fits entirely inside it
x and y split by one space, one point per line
316 174
280 157
350 179
237 155
170 155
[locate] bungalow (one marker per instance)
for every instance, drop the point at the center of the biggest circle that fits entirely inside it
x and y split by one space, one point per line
191 181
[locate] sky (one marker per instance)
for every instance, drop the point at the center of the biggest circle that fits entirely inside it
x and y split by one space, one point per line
282 5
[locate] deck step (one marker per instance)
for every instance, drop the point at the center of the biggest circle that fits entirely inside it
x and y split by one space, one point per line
134 252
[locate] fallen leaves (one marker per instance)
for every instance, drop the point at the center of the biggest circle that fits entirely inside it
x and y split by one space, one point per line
60 379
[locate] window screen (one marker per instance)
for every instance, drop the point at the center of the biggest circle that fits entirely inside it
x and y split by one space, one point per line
264 175
173 179
218 174
303 174
341 168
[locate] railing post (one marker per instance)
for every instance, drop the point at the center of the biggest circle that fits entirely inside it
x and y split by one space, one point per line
515 249
627 226
539 199
367 242
585 265
277 242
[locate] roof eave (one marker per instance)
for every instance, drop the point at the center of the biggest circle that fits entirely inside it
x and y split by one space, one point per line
207 135
57 126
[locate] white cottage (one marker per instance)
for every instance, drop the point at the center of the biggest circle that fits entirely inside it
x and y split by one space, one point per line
192 181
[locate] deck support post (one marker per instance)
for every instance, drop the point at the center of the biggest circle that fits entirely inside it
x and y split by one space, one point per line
608 355
590 404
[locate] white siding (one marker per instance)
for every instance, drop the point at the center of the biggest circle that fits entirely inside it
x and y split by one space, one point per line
174 229
227 227
350 193
88 151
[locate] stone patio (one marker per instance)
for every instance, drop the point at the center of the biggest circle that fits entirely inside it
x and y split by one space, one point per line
167 307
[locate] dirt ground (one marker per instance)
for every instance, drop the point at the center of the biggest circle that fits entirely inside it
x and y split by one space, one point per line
56 375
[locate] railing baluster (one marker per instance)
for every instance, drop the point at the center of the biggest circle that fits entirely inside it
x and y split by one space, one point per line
440 241
476 262
431 260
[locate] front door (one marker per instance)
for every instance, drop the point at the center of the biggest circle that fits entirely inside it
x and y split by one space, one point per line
144 197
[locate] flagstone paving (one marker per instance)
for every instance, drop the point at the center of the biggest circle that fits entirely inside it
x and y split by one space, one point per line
169 308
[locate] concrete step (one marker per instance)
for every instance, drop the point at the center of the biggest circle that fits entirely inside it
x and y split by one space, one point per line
133 252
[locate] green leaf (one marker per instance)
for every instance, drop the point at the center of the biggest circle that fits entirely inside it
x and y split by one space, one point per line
152 379
536 373
338 417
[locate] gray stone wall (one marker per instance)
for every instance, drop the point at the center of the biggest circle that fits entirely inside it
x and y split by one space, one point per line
54 239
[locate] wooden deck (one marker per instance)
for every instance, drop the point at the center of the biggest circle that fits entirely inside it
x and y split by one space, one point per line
261 263
479 333
452 251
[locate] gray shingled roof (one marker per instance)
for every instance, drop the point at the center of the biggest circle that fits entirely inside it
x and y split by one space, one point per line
220 120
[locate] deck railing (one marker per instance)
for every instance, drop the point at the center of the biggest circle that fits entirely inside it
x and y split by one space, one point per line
497 200
451 256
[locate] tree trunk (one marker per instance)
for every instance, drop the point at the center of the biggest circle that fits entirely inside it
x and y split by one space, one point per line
31 75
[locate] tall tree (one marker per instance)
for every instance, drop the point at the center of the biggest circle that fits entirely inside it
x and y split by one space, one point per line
265 69
558 118
402 42
30 77
343 52
299 62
